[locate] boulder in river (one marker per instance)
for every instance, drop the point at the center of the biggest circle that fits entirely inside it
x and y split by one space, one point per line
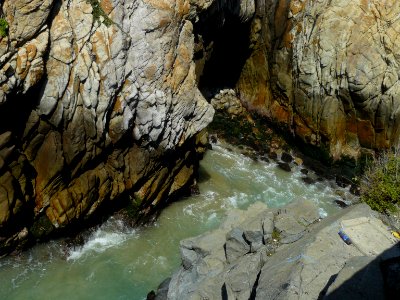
304 171
343 181
284 166
308 180
342 203
272 155
286 157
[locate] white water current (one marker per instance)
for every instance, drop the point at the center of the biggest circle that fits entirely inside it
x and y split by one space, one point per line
117 262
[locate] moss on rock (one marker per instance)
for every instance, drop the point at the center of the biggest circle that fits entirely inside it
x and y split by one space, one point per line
3 27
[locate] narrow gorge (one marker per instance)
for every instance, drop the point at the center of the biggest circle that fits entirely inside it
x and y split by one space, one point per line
107 108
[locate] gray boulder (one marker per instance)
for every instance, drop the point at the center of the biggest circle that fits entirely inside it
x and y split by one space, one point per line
241 276
317 264
303 269
292 220
236 246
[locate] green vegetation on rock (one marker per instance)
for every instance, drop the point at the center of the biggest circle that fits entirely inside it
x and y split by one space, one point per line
98 12
132 209
250 131
3 27
42 227
380 186
276 235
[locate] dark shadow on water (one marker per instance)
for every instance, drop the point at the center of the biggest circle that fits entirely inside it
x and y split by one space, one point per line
376 278
203 175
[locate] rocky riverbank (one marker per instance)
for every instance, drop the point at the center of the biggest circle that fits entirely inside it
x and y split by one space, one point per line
104 100
288 253
260 140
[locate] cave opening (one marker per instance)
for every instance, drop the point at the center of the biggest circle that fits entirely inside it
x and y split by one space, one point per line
222 48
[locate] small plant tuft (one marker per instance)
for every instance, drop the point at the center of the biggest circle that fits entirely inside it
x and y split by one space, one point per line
99 12
3 27
276 235
133 207
380 185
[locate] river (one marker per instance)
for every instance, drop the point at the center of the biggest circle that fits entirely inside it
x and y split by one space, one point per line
118 262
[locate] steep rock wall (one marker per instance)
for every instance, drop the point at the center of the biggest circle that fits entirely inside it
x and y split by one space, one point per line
327 71
97 100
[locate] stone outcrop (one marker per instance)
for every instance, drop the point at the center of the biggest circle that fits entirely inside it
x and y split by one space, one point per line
325 71
328 71
299 256
98 100
226 101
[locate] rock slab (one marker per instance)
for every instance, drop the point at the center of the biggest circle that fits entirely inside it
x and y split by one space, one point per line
316 265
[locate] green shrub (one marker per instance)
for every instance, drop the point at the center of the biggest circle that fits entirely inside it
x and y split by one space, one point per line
3 27
380 185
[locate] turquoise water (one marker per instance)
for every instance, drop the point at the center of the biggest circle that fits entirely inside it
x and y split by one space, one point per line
117 262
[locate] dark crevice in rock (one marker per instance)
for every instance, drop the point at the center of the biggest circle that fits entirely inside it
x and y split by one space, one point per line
222 48
254 289
224 292
14 115
15 112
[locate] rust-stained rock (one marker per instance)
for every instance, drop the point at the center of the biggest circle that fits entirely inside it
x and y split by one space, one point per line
327 71
98 104
94 106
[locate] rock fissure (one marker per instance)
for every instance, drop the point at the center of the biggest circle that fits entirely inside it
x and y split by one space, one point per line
222 45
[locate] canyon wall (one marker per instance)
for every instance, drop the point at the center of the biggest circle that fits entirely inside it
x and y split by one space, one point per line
327 71
98 101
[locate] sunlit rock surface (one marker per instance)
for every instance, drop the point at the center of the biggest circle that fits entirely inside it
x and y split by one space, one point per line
100 100
97 101
300 256
328 71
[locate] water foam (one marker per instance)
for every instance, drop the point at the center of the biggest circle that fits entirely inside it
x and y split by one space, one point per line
111 234
138 264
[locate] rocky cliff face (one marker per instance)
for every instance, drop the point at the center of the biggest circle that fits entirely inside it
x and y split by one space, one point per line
97 100
328 71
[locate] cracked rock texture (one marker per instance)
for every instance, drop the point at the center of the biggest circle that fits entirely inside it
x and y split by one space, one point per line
95 104
303 268
328 71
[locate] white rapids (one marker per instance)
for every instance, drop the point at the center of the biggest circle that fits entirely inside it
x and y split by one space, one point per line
117 262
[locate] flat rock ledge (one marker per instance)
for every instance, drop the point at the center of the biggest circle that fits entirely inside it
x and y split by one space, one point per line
288 253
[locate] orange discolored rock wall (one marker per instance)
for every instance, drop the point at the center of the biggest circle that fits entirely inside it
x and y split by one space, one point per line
327 71
98 100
